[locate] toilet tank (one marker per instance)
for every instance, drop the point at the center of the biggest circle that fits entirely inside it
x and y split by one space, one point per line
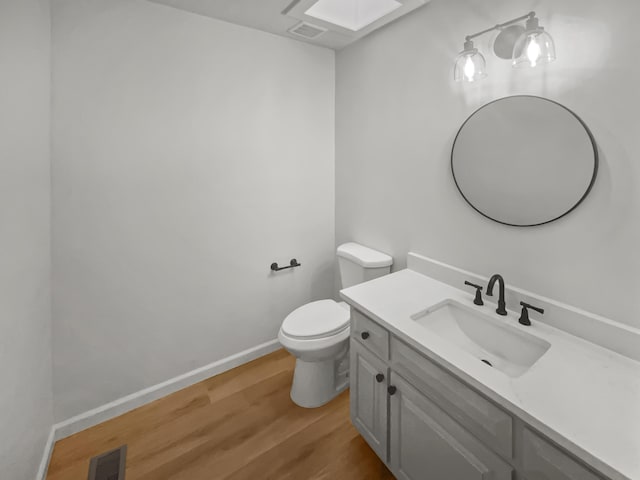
359 264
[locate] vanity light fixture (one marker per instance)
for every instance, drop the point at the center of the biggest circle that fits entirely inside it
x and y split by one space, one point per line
527 46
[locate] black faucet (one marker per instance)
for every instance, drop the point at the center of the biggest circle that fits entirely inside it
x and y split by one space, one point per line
501 310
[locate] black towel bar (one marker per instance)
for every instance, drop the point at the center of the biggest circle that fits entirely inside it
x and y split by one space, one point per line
293 263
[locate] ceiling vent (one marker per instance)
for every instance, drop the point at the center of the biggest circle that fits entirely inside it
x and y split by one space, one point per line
307 30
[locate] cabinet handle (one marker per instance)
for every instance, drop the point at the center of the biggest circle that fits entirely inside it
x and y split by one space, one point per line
364 335
391 389
379 378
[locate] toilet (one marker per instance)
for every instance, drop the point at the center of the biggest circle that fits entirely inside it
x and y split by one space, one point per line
317 333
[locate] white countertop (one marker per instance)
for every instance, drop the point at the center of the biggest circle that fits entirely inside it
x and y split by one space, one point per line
582 396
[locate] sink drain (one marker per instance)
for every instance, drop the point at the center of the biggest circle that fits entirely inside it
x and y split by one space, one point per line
486 361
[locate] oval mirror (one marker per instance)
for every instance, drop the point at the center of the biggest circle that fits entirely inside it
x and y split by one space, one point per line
524 160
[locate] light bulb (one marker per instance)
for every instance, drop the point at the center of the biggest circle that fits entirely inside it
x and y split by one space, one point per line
469 70
533 51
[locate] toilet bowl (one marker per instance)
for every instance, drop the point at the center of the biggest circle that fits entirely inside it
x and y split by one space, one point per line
317 333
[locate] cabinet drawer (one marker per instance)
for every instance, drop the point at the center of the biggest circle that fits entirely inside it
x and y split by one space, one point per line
544 461
477 414
370 334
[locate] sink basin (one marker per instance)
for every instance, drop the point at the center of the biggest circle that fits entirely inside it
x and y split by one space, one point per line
499 345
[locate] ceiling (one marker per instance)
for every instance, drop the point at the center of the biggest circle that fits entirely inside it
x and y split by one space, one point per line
279 16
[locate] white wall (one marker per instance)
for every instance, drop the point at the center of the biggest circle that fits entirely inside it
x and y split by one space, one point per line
188 155
25 327
397 113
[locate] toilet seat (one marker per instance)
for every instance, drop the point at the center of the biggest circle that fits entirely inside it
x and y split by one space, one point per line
315 320
312 344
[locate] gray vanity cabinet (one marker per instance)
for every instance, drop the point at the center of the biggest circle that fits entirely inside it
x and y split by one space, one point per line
426 443
369 397
427 424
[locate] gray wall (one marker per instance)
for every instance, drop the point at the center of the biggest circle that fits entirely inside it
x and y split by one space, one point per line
397 113
188 155
25 327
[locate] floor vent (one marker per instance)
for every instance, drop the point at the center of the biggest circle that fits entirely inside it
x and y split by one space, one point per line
109 465
307 30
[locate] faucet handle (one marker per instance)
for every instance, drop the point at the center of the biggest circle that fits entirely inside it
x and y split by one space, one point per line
478 299
524 315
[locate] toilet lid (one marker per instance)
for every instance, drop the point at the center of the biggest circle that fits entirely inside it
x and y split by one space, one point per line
317 319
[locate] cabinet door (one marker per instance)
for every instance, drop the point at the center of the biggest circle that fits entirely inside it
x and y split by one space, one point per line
427 444
369 398
543 461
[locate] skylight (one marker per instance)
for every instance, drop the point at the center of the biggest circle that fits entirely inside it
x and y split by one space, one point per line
352 14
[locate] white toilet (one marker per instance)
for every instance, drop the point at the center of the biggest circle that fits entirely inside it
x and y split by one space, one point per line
317 333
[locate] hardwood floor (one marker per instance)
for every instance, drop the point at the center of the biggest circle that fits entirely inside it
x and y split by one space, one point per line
238 425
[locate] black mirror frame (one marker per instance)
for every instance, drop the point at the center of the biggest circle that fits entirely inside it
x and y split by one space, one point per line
596 161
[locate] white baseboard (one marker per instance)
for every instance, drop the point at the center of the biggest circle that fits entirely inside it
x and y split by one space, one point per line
46 455
137 399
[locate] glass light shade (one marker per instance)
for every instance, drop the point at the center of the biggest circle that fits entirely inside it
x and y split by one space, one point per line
533 48
470 66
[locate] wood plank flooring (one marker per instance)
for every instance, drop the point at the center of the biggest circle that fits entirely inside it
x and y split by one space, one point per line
238 425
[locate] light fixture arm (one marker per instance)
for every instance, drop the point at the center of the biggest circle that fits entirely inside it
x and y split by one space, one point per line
500 26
